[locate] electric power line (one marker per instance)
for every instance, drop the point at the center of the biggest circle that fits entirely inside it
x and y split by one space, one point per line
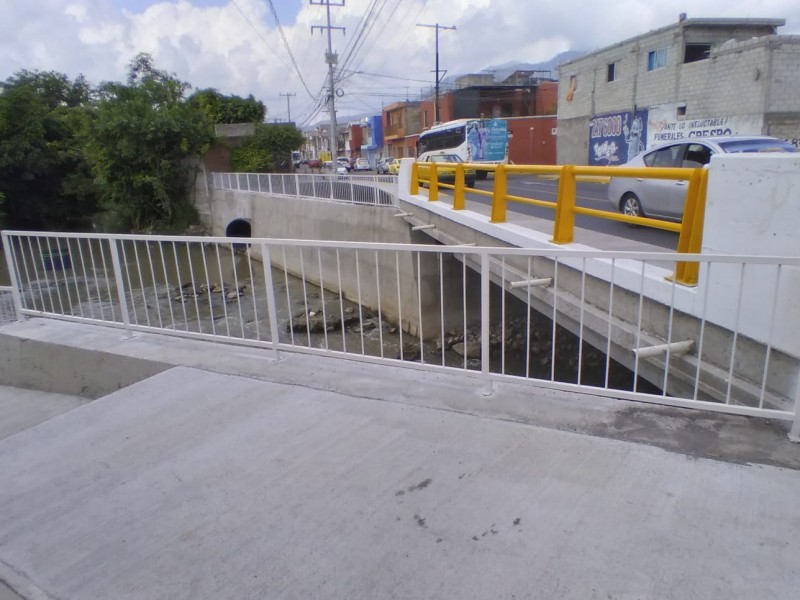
288 49
258 33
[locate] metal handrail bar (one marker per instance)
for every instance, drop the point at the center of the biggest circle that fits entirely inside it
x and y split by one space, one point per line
690 228
560 252
362 190
114 280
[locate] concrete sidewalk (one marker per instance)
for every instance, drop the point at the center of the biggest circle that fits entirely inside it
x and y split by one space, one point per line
195 483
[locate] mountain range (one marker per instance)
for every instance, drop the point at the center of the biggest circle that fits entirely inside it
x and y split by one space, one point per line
504 70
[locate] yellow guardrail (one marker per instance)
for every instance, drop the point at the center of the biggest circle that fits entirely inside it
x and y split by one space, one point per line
690 229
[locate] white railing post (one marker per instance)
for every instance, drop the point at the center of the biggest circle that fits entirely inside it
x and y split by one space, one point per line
258 178
269 179
123 302
271 305
12 273
487 383
283 184
352 193
296 185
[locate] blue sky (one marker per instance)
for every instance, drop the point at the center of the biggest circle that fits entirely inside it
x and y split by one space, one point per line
236 47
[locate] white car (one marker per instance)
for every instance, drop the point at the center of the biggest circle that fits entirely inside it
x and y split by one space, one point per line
341 169
664 198
362 164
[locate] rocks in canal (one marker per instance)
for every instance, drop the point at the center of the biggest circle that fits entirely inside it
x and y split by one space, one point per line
471 349
191 290
312 322
411 352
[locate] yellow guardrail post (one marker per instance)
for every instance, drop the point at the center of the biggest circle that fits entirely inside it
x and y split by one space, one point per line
691 237
415 178
433 182
499 196
564 225
458 188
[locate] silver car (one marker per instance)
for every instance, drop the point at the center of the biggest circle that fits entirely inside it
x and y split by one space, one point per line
664 198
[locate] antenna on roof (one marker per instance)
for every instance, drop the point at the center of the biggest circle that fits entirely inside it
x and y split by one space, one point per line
681 17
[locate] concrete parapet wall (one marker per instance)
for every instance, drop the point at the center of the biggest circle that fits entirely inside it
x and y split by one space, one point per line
50 367
753 208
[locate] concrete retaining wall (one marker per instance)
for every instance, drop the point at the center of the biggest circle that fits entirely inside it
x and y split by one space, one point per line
366 276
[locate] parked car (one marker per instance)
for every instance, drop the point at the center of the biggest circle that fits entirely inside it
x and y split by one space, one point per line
315 163
341 169
362 164
345 162
394 167
664 198
449 175
382 166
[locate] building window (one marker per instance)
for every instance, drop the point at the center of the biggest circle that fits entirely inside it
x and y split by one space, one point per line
695 52
611 73
656 59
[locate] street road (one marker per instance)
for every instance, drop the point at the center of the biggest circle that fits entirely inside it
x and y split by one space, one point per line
589 195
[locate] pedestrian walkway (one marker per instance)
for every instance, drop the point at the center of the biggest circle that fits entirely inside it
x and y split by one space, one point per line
229 475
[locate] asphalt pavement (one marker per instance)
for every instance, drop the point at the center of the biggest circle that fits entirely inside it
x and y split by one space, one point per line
588 195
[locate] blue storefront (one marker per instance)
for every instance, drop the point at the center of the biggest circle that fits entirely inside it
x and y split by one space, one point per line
373 140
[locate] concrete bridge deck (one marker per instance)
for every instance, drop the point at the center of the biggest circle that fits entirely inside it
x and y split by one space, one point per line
220 473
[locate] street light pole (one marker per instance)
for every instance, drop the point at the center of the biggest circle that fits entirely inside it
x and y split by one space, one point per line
437 27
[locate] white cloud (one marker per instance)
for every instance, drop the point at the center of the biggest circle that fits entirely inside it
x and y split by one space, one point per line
215 46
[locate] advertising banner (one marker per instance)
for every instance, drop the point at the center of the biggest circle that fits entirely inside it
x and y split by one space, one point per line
615 138
664 126
487 140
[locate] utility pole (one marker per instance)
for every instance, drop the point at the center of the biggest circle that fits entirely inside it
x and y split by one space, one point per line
331 58
288 108
436 104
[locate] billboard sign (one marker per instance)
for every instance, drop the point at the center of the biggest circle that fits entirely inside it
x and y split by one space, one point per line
615 138
663 126
487 140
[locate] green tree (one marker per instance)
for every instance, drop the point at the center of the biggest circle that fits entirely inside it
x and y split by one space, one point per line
142 140
268 149
221 109
43 171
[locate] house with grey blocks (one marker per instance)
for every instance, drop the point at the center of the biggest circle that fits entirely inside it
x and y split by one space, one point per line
695 77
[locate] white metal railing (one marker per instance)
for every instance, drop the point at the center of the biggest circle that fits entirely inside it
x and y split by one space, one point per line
552 323
351 189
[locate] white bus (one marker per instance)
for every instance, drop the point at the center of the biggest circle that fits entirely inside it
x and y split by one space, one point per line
473 140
